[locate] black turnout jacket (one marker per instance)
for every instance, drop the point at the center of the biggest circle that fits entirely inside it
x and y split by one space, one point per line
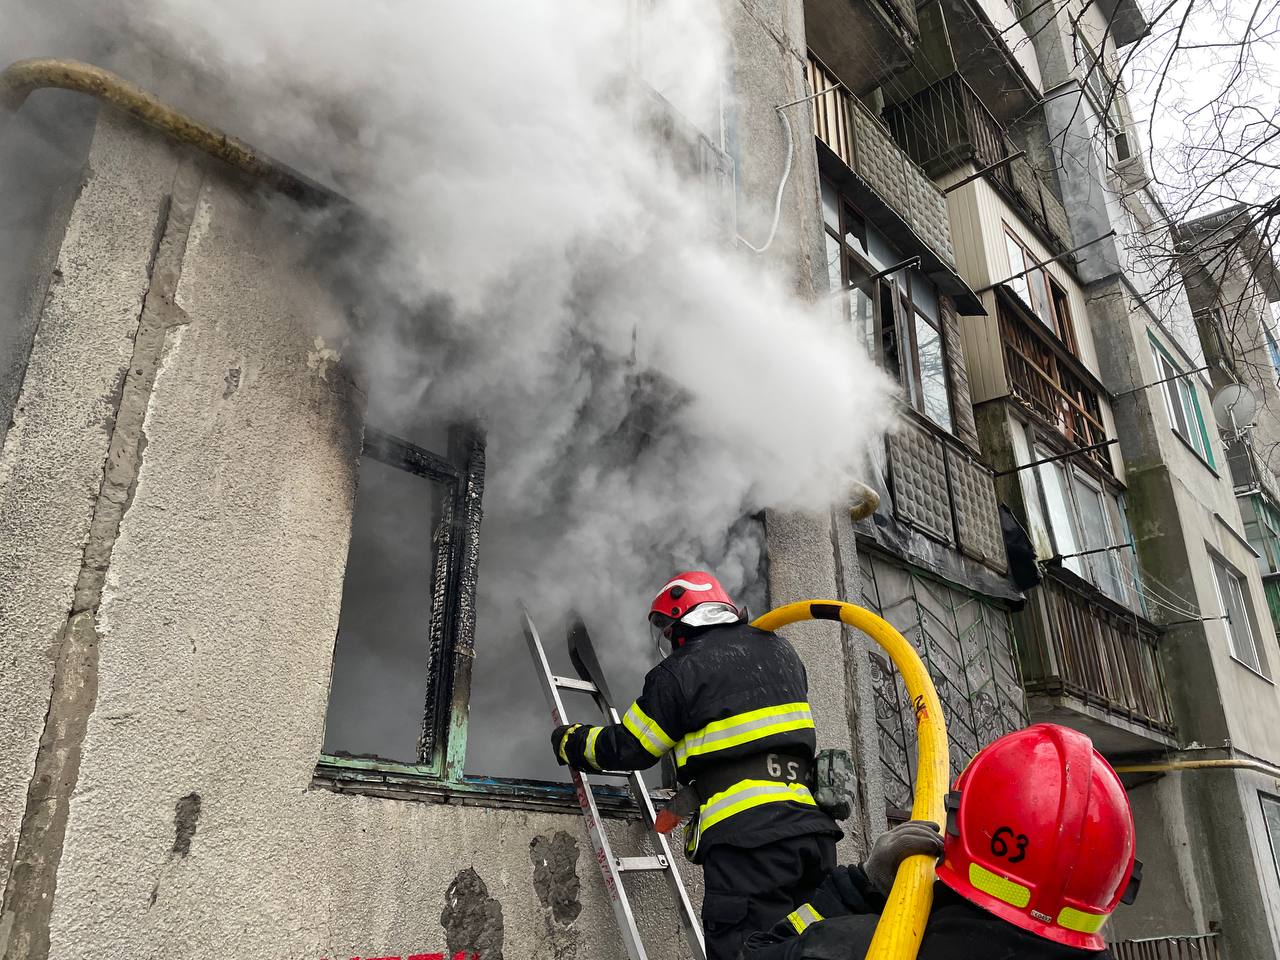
728 693
840 919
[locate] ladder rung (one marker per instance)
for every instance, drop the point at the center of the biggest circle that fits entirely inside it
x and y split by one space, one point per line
626 864
571 683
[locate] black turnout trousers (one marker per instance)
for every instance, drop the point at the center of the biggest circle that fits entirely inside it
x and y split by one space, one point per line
751 888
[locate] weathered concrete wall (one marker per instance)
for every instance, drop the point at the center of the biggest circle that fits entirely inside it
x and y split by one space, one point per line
51 467
767 68
197 697
1171 891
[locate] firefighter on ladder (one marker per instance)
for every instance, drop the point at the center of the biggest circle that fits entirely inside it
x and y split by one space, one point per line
1038 852
731 702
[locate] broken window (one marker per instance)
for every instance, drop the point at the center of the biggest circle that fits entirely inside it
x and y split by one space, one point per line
897 314
406 600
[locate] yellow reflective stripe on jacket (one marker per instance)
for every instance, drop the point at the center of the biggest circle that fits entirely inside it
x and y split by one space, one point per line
651 736
748 794
803 916
592 736
744 728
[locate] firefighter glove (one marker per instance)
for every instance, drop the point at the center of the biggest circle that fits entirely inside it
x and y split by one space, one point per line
560 739
894 846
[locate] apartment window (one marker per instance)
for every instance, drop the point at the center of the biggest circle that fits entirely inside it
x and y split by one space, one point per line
1182 403
898 315
1241 625
414 527
1105 96
1080 513
1035 288
1271 816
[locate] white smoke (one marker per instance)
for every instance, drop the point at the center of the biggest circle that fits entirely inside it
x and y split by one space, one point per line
543 258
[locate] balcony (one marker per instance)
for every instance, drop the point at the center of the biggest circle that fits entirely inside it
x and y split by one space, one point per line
857 153
947 125
865 41
1093 665
1049 382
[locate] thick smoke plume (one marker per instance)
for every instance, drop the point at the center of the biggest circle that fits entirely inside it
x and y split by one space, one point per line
644 383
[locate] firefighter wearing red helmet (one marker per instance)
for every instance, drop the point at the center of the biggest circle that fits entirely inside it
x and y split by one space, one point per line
730 703
1037 853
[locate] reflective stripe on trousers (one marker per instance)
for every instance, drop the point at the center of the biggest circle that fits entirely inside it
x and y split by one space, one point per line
744 795
743 728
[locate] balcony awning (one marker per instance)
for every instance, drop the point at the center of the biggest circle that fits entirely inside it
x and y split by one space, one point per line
889 221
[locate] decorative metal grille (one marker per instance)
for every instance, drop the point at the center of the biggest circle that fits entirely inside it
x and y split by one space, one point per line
966 642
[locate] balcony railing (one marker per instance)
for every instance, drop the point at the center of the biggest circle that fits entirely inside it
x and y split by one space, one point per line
946 125
1203 946
1051 384
1074 641
858 138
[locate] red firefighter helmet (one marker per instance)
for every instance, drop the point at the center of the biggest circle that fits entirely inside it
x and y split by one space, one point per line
1039 833
683 594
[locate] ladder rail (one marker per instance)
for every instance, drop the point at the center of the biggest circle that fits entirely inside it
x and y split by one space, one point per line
689 922
586 800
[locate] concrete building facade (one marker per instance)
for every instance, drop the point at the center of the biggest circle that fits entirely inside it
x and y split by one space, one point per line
182 467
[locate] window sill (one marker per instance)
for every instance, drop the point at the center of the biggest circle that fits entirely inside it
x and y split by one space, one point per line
1257 673
401 782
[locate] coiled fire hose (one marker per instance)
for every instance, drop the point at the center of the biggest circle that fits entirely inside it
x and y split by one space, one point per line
901 925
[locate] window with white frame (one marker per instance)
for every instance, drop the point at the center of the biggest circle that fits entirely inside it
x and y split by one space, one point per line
1182 403
1106 97
1082 516
1244 640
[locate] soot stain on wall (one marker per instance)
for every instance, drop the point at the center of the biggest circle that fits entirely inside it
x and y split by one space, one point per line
472 919
555 876
186 815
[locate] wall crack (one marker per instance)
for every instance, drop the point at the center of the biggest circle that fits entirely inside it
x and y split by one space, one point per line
29 896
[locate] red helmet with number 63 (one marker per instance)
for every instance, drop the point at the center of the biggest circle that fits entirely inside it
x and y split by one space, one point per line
1039 833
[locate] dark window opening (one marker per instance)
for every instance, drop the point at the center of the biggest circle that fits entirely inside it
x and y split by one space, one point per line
404 601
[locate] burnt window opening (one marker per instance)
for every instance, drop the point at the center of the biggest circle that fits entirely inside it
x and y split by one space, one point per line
407 620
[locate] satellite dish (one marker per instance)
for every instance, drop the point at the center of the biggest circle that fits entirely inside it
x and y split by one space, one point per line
1234 407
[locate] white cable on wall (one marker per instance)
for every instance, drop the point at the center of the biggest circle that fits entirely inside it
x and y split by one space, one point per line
777 202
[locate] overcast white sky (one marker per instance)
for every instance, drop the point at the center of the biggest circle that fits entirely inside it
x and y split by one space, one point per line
1203 86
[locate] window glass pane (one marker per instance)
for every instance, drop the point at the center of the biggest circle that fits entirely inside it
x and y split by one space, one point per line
1066 538
925 297
1036 526
855 229
1062 315
1017 265
863 310
379 689
933 374
1271 814
1096 534
834 255
1237 625
830 206
1187 396
1172 400
889 331
1040 296
882 253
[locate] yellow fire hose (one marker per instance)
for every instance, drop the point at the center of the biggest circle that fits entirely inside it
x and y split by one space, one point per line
901 925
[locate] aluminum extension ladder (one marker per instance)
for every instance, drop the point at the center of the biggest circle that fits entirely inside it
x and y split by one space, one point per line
591 681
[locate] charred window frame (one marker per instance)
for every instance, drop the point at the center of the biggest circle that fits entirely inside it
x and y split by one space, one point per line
449 589
900 325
